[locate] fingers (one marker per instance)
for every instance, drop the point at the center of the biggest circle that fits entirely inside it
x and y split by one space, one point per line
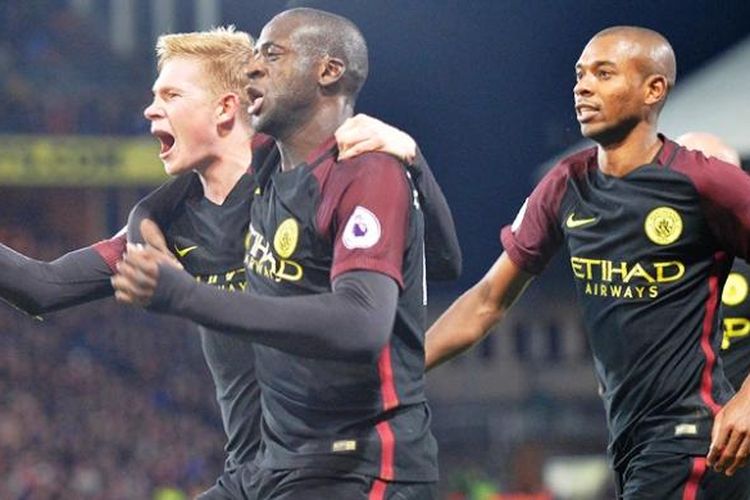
361 134
719 438
730 439
137 276
741 457
729 452
715 452
363 146
153 236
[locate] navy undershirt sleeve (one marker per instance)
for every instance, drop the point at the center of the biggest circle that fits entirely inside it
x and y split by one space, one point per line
38 287
354 321
442 251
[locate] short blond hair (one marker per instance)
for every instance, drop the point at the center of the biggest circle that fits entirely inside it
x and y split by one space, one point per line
224 50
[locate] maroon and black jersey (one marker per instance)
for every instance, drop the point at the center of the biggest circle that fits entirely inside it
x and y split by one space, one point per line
649 253
310 225
735 317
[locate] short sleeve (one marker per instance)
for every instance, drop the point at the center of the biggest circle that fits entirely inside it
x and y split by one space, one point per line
371 218
535 234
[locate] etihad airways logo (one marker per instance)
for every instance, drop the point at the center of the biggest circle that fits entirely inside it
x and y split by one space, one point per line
261 260
232 281
619 279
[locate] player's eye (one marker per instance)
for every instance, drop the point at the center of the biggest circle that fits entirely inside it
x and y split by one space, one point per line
604 74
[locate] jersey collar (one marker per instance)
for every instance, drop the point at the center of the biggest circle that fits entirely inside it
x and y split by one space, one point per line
667 151
327 148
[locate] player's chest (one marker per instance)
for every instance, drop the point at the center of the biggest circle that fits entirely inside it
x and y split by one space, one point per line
209 243
283 244
645 217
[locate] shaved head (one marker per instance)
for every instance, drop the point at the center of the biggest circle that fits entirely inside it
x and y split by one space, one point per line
651 51
710 145
319 33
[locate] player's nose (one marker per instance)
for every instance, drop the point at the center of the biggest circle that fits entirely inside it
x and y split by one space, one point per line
152 111
582 86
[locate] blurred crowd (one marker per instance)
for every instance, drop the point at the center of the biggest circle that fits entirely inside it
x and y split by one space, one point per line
104 402
48 52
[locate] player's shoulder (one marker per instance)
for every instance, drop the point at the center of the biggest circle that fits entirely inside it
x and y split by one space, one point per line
368 166
706 173
687 160
575 164
573 167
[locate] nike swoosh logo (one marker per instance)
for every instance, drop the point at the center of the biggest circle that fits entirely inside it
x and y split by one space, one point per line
573 223
184 251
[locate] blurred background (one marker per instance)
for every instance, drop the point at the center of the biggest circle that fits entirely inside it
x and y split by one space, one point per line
107 402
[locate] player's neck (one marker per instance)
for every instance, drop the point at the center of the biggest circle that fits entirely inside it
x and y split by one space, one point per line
220 177
638 148
309 135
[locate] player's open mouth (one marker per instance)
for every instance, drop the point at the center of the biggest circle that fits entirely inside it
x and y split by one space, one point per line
255 106
166 142
256 101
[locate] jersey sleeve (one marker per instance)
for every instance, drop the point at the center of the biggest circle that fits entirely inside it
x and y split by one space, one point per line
111 250
725 194
535 235
371 217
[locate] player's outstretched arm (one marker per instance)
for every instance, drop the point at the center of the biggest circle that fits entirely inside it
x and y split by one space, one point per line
362 304
470 317
361 134
38 287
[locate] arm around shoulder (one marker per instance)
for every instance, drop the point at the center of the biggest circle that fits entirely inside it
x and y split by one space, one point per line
442 250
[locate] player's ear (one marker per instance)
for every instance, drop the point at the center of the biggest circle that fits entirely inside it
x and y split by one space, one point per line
227 108
655 88
332 69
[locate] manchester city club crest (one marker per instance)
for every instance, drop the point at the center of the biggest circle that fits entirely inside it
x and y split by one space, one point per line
735 290
285 239
663 225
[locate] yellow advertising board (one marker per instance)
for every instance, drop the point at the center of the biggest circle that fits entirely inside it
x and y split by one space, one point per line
79 161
